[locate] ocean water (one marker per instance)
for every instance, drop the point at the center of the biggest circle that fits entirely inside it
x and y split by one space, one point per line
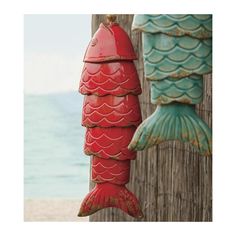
54 163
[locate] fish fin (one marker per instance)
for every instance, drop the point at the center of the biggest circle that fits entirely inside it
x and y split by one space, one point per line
174 121
105 195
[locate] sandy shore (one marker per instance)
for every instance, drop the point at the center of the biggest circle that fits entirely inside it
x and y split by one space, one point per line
52 210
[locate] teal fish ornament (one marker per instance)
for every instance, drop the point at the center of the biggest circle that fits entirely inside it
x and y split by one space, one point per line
177 52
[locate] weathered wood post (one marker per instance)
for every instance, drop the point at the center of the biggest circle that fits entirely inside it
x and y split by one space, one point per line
172 181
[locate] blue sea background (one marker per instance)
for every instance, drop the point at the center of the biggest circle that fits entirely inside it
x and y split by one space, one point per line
54 163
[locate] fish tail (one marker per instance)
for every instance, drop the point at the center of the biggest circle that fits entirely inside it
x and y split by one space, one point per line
174 121
105 195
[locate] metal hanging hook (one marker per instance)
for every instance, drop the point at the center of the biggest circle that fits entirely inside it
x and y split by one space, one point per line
111 18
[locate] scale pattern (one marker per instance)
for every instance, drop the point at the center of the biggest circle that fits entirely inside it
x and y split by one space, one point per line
109 143
115 78
197 26
166 56
186 90
112 171
177 52
111 113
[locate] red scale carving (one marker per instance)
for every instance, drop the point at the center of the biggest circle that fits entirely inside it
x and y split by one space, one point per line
111 113
109 142
112 171
108 111
116 78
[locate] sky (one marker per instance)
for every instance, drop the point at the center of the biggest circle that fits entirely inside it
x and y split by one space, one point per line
54 46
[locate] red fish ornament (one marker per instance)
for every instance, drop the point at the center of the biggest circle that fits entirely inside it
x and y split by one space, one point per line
111 113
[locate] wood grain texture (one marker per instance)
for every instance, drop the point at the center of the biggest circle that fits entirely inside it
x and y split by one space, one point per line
171 180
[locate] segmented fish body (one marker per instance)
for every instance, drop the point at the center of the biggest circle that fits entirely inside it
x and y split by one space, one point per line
120 77
111 113
177 52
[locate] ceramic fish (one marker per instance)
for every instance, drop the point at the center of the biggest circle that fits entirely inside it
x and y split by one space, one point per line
177 51
111 113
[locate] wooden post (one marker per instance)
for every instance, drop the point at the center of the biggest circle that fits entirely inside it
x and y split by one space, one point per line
171 180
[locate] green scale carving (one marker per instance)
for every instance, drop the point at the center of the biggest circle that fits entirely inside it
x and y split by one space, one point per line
177 52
